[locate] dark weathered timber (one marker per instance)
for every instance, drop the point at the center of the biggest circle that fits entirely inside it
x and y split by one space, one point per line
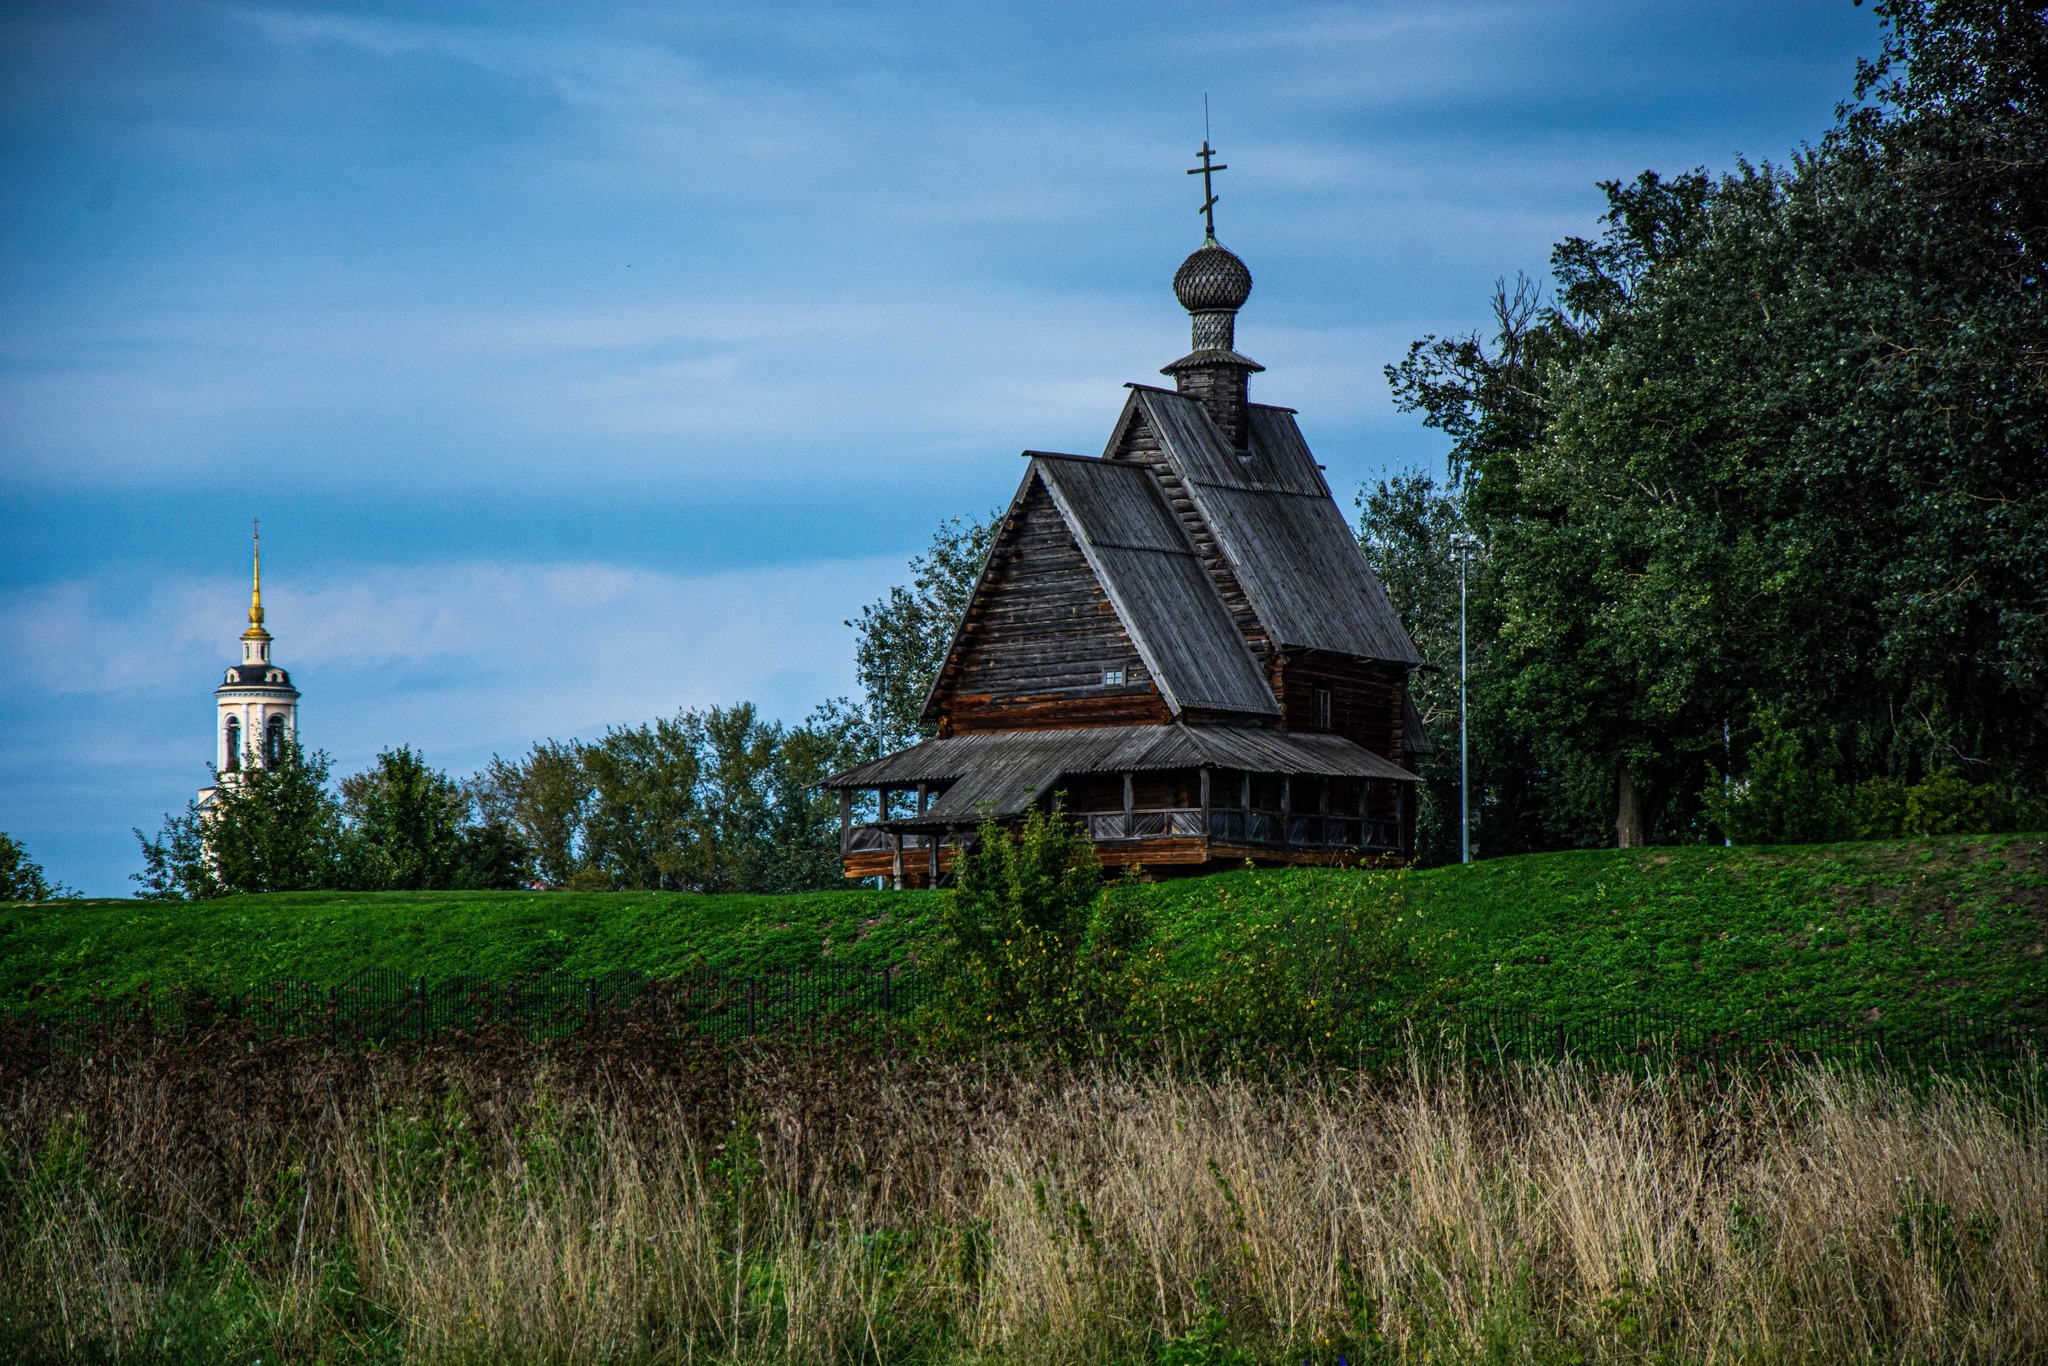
1368 699
1416 739
1001 775
1135 442
1092 575
1040 629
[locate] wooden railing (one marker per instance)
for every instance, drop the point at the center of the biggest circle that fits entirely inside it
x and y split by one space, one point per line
1142 825
873 839
1232 826
1227 826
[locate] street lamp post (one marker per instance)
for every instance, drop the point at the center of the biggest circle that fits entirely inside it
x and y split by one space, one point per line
1463 544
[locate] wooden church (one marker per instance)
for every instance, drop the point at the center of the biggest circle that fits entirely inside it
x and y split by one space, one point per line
1177 642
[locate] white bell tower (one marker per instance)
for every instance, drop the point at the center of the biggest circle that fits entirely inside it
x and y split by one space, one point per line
256 708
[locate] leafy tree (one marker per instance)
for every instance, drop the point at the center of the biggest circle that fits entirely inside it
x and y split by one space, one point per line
542 800
802 833
406 823
1789 795
175 865
1779 447
640 829
276 828
1488 396
709 801
411 827
22 878
1405 528
903 639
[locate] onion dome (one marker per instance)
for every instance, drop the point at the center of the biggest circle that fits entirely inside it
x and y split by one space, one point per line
1212 280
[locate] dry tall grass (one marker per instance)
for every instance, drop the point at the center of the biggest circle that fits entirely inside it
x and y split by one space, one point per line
612 1208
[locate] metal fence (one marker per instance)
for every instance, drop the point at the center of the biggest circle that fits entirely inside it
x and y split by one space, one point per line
378 1007
1938 1040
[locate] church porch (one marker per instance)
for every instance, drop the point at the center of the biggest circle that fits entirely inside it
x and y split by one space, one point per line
1142 794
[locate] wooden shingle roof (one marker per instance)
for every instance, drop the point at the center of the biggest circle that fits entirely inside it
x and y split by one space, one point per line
996 774
1163 596
1277 524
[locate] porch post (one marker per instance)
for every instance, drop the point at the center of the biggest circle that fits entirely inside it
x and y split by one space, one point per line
896 858
845 818
1205 804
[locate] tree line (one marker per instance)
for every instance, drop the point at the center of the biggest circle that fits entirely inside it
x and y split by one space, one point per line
717 800
713 800
1759 482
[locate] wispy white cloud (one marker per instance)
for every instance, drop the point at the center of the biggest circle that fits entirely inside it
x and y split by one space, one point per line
538 646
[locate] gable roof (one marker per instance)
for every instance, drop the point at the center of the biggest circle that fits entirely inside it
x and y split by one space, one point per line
1276 523
1168 604
1162 595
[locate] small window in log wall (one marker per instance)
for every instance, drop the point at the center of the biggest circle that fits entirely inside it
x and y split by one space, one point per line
1322 709
1112 678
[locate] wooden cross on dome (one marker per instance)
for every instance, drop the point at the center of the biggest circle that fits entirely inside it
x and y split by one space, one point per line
1205 170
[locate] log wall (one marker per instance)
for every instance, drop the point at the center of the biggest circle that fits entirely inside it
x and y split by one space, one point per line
1039 637
1365 699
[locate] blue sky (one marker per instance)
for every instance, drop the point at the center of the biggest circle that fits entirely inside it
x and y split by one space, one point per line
587 362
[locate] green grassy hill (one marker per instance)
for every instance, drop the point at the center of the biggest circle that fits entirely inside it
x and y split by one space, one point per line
76 948
1906 929
1838 930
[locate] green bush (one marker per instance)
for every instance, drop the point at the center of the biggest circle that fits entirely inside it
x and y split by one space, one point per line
1792 796
1789 796
1032 948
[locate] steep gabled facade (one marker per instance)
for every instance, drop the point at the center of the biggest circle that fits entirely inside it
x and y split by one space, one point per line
1177 641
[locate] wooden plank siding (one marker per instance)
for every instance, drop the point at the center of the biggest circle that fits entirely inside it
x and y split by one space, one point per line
1039 636
1367 699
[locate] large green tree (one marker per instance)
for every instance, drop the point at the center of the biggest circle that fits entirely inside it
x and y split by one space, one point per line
1780 446
544 797
411 827
717 800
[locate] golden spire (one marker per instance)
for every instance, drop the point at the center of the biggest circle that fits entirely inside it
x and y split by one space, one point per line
256 585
